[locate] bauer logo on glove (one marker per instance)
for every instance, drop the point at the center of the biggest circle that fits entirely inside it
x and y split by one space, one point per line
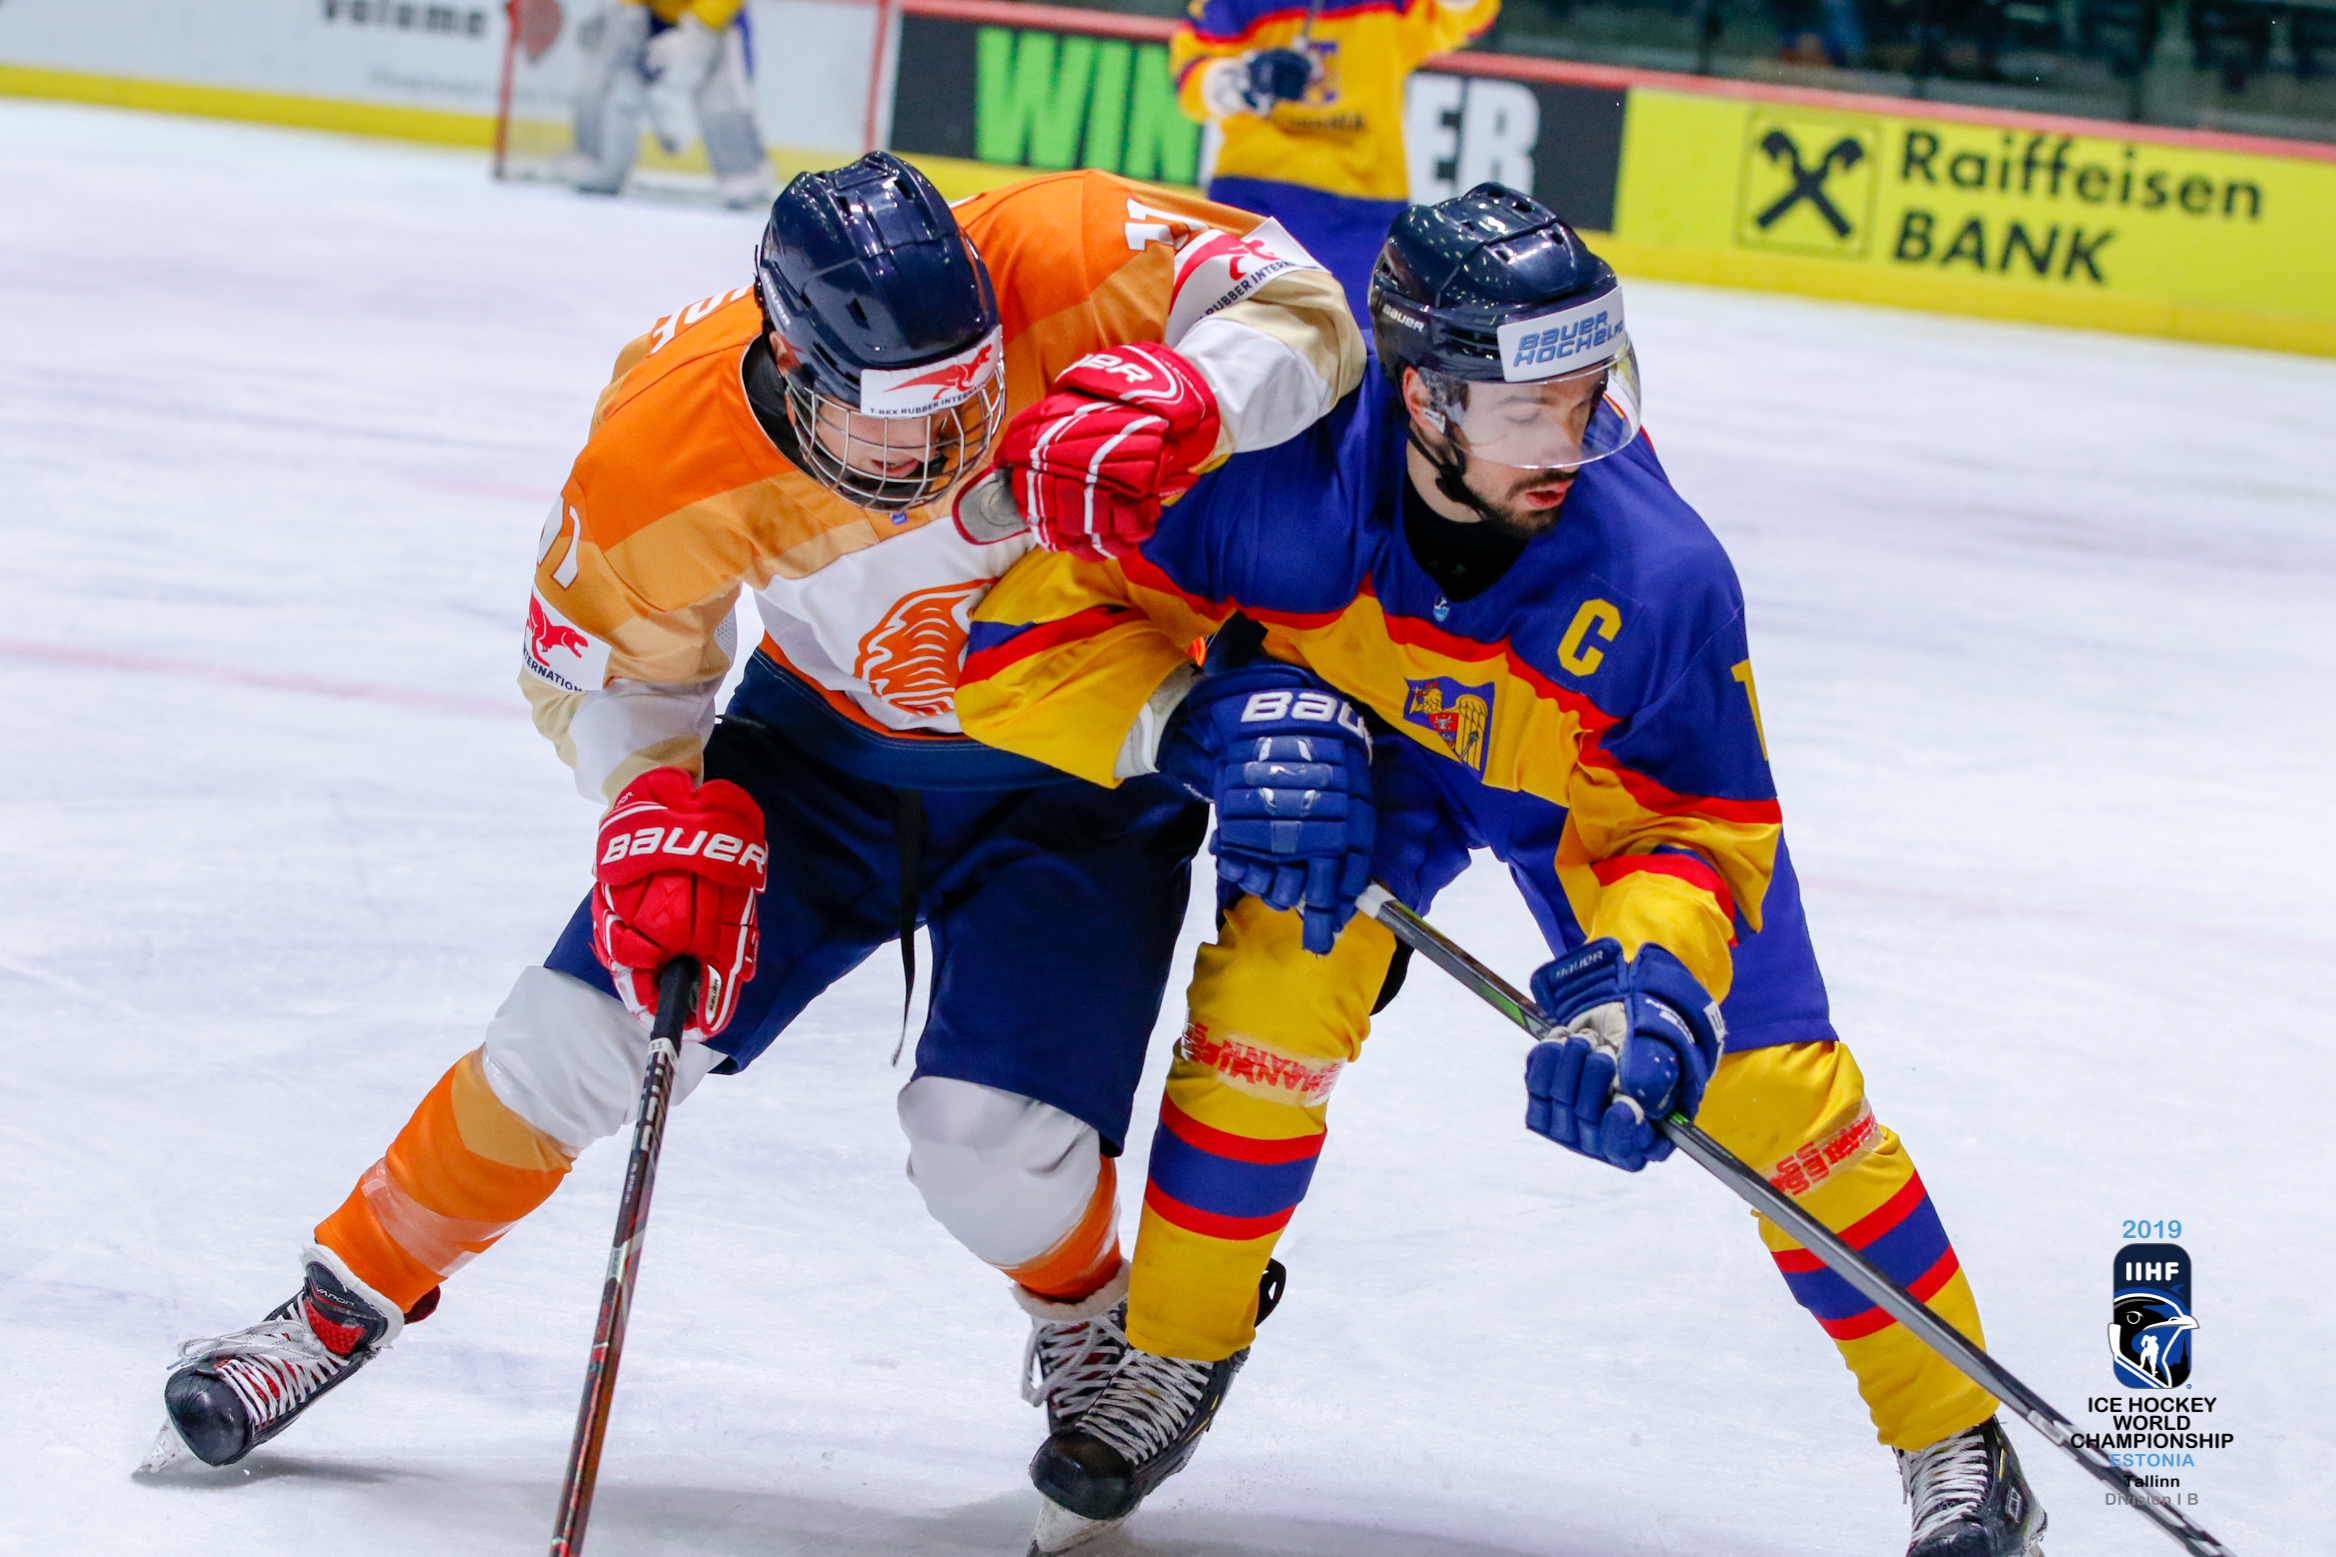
662 840
1304 708
677 872
1287 763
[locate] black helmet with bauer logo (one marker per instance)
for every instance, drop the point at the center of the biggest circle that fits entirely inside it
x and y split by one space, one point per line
890 317
1491 287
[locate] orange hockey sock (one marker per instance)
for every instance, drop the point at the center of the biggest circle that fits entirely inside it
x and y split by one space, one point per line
462 1171
1088 1255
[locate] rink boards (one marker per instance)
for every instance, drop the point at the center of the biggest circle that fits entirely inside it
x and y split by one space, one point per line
2132 228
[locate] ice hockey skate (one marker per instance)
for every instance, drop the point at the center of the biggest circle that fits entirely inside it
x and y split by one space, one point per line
228 1394
1140 1430
1074 1349
1969 1497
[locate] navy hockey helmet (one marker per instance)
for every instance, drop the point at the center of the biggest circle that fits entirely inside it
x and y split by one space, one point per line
1490 287
897 385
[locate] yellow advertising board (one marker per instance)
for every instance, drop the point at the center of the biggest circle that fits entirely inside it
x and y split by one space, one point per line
2022 219
1960 210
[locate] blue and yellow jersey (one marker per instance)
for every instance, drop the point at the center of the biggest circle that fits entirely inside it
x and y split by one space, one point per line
1346 137
716 14
1592 711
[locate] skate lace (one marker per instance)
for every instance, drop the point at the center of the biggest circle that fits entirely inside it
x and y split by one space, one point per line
1070 1361
1147 1403
273 1367
1945 1481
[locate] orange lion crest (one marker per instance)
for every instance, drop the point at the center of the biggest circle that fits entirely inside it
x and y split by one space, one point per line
911 658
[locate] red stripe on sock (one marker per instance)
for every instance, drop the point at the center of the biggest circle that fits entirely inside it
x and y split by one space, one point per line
1862 1232
1240 1148
1866 1229
1874 1320
1194 1220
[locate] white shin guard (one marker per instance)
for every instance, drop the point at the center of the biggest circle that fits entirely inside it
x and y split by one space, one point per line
568 1059
1009 1176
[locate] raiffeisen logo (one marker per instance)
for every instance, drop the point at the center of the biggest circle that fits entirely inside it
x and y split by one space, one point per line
2044 207
1807 184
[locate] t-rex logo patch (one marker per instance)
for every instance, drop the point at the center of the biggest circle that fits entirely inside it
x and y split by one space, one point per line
911 658
545 635
560 652
1460 717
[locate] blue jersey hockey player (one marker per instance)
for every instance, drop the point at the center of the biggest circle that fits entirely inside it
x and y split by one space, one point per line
1479 558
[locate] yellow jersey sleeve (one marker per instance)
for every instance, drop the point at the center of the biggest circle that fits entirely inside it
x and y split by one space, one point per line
1065 654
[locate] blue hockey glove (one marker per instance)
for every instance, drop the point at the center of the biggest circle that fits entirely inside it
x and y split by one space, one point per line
1641 1041
1287 763
1278 76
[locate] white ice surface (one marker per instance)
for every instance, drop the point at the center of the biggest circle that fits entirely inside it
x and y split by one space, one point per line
2046 630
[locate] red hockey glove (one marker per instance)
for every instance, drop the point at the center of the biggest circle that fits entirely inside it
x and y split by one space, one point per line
1123 428
677 871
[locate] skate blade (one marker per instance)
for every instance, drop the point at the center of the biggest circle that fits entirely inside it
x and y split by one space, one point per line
169 1452
1059 1530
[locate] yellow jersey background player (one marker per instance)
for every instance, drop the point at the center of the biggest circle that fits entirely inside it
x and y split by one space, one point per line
1309 99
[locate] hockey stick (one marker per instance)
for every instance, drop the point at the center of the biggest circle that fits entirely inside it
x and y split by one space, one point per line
677 992
1846 1262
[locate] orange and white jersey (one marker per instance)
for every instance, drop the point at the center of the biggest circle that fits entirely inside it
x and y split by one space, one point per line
680 498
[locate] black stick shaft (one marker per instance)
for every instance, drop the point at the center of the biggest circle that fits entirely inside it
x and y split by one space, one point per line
677 992
1845 1262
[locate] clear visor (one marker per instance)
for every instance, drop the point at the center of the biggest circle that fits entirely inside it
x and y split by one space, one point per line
890 463
1552 423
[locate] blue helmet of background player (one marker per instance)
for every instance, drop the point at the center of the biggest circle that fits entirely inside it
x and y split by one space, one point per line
1491 288
896 382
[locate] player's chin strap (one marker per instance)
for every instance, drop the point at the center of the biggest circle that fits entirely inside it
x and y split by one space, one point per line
1847 1263
1451 467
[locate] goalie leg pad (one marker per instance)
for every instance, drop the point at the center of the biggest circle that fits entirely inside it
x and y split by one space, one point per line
725 108
608 101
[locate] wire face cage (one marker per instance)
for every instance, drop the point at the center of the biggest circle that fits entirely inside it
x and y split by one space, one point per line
889 463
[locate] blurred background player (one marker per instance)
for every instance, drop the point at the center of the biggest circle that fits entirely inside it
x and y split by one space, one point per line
1480 550
1310 103
799 436
687 67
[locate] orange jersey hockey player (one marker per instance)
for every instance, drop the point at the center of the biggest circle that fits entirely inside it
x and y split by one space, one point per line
802 438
